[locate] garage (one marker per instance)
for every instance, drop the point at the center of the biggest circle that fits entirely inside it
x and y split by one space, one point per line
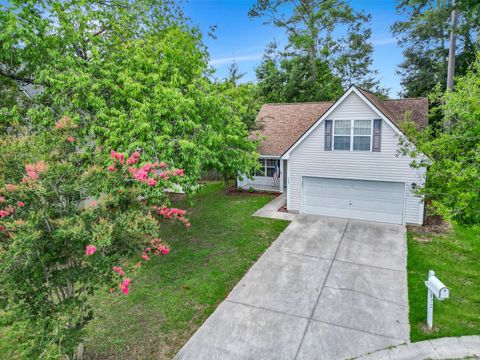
357 199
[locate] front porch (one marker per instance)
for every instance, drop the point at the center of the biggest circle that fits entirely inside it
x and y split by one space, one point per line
272 176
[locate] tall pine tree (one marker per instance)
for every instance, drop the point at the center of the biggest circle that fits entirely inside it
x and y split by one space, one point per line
425 33
326 32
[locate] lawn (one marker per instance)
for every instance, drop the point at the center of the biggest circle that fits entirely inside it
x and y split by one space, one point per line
174 294
455 257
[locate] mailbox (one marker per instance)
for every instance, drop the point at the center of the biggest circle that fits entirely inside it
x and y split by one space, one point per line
435 288
438 289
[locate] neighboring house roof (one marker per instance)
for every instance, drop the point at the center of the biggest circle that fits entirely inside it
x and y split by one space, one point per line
281 125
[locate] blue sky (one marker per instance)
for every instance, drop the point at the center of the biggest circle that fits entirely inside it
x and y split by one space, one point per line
244 39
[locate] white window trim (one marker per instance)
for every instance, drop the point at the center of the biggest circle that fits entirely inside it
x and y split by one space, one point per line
265 167
352 135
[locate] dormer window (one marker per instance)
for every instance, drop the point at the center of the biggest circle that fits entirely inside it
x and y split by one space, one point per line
353 135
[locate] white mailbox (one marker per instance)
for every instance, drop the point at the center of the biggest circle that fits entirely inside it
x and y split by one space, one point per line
435 288
439 290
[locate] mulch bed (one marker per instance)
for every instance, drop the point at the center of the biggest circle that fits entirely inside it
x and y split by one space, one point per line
235 191
433 224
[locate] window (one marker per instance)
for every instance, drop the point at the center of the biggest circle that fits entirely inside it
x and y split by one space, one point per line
270 167
267 167
341 135
353 135
261 170
362 135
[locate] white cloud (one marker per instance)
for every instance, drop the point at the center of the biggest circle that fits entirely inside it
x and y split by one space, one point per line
238 59
384 41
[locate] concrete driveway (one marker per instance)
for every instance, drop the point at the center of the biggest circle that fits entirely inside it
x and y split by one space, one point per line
327 288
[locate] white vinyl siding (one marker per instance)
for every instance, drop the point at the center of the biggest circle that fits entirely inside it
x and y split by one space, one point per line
310 159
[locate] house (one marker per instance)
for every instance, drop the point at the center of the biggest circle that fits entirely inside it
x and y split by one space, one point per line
341 158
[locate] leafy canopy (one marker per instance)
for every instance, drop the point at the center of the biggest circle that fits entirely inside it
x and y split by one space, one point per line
453 177
135 73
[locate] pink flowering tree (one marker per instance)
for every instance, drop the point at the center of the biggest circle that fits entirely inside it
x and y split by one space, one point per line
75 221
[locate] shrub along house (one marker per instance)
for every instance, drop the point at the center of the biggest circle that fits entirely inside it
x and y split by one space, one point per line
341 158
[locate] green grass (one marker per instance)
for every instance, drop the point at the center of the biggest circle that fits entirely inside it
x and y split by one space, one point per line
174 294
455 258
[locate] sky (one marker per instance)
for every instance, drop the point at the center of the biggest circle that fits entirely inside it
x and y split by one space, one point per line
243 39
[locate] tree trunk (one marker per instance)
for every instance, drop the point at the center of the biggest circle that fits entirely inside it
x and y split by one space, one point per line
451 63
451 51
313 38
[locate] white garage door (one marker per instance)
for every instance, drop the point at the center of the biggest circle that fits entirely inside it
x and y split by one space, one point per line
356 199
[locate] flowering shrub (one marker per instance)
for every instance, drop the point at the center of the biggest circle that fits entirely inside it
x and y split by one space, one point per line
73 223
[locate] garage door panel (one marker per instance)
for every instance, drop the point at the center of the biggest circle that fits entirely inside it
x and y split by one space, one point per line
358 199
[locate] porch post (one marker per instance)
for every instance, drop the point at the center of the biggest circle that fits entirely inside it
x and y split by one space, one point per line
281 175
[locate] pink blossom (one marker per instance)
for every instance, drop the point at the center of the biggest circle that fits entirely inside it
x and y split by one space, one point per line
141 175
145 257
40 166
2 228
4 213
147 167
124 285
2 199
93 203
117 156
65 123
90 250
151 182
70 139
118 270
33 170
112 168
178 172
165 174
163 165
164 250
133 159
11 187
20 204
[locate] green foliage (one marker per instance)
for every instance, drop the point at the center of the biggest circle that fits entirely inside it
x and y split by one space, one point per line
175 294
324 38
126 75
453 177
454 257
65 203
425 36
286 77
134 73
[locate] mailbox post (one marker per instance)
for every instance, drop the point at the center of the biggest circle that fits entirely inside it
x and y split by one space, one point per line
435 288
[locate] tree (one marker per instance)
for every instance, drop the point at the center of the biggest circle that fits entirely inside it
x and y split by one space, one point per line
124 75
135 73
234 74
327 31
72 223
285 77
425 34
453 177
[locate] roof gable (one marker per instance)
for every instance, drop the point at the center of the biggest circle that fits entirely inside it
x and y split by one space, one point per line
283 126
